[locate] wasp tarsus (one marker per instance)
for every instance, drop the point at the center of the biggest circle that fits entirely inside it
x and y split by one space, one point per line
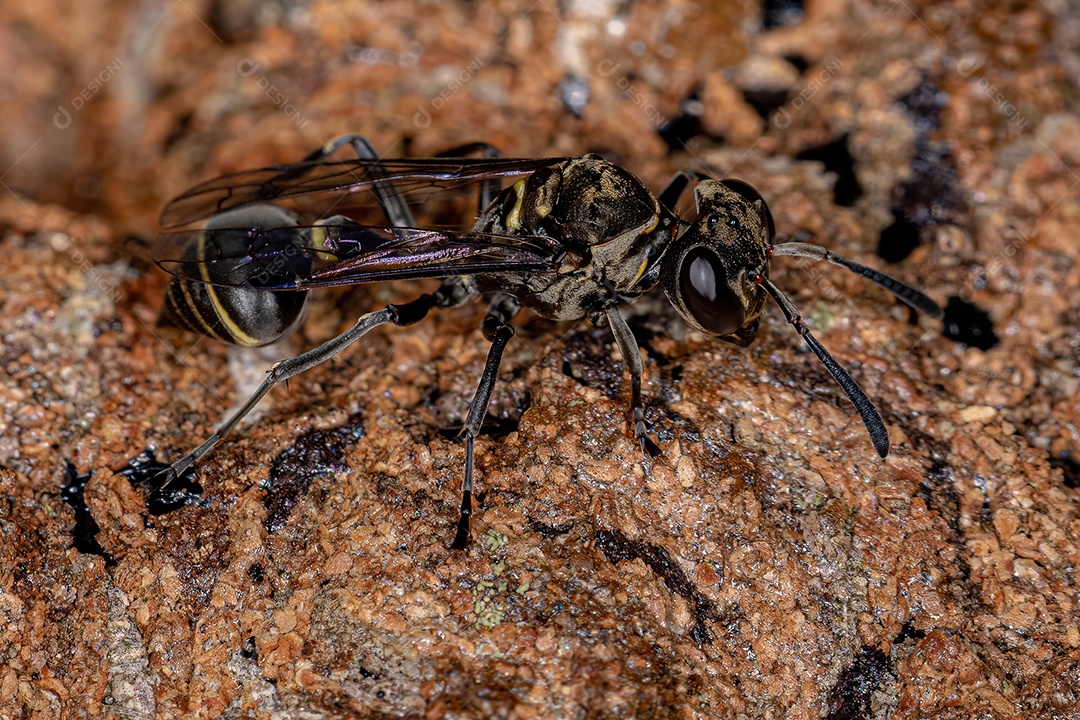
143 468
570 238
165 491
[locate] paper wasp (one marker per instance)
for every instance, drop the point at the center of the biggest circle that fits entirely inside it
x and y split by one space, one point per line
571 238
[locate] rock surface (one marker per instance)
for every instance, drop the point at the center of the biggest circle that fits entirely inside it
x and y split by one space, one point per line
766 565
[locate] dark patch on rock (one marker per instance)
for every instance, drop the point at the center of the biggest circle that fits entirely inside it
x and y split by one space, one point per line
617 547
938 492
766 100
940 496
1070 469
969 324
314 453
849 699
84 534
837 159
908 631
586 357
930 196
549 531
778 13
677 131
924 104
256 572
249 651
799 62
898 240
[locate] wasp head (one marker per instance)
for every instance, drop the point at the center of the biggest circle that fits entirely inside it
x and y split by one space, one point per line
712 272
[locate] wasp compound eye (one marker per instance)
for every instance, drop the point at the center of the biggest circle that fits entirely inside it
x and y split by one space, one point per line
704 285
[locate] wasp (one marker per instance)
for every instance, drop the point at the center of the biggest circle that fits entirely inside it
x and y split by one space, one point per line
570 238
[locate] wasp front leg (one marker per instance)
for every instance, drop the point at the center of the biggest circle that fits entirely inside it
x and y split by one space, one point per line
628 348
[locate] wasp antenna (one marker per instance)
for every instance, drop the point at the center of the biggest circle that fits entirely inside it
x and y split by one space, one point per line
903 291
871 418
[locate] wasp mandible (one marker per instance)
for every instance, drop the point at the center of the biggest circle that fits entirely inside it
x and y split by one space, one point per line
570 238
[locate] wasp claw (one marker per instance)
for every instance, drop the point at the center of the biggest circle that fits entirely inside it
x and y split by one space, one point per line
461 538
649 447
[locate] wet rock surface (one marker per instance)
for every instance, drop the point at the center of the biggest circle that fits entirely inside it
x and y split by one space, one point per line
768 564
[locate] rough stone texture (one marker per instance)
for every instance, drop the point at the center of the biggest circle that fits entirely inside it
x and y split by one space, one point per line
767 565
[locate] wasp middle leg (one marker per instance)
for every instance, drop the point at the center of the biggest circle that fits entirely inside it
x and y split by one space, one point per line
498 331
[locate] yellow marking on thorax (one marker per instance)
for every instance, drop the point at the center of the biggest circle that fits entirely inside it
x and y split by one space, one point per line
652 226
513 218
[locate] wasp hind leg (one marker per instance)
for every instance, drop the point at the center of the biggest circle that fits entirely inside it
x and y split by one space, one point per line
402 314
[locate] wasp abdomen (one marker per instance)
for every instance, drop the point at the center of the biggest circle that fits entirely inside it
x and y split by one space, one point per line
225 308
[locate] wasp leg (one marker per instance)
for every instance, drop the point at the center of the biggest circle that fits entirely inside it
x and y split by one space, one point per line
489 189
404 314
628 347
669 196
393 205
498 330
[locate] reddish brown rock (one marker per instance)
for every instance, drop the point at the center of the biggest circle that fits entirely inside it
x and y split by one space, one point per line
768 564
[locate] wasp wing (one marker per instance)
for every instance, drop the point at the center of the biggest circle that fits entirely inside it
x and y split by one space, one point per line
340 178
289 258
416 253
